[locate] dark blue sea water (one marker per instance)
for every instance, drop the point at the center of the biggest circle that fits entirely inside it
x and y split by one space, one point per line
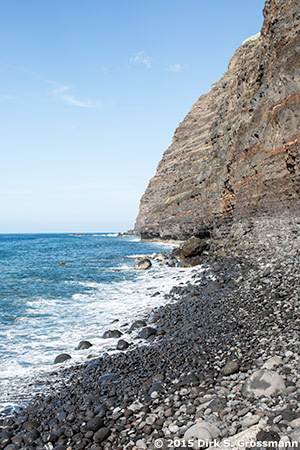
47 308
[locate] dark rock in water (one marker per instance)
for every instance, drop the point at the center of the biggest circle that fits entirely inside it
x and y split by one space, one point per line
138 324
92 365
156 387
143 265
230 368
122 345
112 334
108 377
61 358
94 424
101 435
83 345
146 332
115 320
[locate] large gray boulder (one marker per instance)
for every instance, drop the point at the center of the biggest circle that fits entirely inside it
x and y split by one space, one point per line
122 345
192 247
272 362
62 358
111 334
143 265
83 345
263 383
230 368
138 324
201 434
146 332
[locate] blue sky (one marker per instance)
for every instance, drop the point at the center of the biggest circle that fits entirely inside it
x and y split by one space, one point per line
90 95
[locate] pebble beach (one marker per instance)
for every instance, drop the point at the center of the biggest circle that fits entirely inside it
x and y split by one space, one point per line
218 364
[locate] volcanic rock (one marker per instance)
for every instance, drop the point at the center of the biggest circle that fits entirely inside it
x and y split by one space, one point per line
61 358
192 247
263 383
122 345
112 334
146 332
230 368
138 324
83 345
236 154
201 431
144 264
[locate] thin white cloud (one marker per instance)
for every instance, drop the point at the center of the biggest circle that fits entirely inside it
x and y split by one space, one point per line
141 58
176 68
63 94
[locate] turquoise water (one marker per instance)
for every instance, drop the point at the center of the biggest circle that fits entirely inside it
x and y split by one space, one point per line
47 308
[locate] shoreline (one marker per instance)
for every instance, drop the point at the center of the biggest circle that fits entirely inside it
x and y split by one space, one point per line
146 285
211 337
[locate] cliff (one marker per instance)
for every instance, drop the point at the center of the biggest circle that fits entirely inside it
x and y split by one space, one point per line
236 154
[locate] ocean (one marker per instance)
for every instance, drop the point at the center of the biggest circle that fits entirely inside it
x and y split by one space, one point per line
47 308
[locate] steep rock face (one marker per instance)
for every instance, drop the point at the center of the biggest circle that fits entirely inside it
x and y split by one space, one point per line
236 154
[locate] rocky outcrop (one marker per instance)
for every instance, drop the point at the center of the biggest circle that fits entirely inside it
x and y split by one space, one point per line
236 154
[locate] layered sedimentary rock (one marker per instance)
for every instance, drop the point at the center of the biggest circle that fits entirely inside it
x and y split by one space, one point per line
236 154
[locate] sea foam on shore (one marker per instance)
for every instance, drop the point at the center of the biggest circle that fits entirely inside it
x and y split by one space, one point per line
83 310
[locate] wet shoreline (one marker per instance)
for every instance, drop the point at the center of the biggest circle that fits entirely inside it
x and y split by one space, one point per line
209 340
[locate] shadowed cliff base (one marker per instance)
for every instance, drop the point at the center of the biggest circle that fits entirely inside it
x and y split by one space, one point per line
235 156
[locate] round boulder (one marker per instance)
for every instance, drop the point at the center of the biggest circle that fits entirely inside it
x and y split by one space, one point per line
146 332
263 383
201 434
83 345
62 358
94 424
230 368
101 435
272 362
138 324
112 334
122 345
143 265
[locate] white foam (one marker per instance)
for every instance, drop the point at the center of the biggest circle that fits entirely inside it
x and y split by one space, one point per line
57 326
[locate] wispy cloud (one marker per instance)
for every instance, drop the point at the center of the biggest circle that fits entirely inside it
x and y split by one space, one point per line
60 91
64 94
176 68
141 58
